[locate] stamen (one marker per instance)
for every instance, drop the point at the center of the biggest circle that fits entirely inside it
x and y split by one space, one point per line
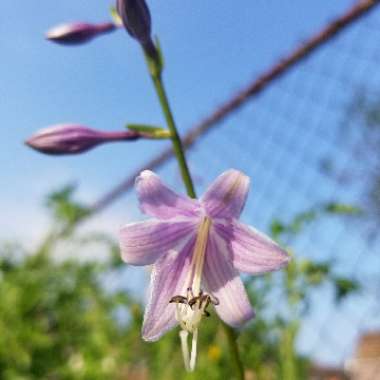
214 301
183 334
190 294
178 299
193 358
189 312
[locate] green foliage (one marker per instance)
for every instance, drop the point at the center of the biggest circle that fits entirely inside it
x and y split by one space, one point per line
304 218
299 280
344 287
342 209
359 138
295 226
59 321
64 209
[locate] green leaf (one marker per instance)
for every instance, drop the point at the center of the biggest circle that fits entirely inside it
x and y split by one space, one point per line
150 131
64 208
344 287
301 220
342 209
277 228
145 128
315 273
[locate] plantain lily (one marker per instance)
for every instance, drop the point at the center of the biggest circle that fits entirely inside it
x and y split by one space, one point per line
197 248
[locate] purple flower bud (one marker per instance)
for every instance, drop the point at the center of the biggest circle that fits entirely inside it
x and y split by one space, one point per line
78 32
73 139
136 19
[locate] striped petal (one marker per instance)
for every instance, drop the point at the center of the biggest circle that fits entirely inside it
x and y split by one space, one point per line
252 251
226 196
168 279
157 200
144 242
223 282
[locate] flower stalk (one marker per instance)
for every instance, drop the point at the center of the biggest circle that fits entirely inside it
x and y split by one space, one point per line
175 138
179 152
234 351
189 309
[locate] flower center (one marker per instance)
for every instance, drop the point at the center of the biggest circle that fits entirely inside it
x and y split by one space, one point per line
189 312
191 308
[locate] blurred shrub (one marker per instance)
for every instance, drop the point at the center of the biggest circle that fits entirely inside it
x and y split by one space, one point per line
59 321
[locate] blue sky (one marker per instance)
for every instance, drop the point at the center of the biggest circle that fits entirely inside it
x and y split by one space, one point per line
211 48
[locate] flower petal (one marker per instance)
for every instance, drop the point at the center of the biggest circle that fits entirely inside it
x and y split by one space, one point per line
168 279
223 282
144 242
252 251
226 196
157 200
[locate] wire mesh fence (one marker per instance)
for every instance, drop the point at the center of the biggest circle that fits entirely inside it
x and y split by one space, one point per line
312 139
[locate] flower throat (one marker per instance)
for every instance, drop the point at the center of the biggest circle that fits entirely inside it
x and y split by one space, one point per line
191 308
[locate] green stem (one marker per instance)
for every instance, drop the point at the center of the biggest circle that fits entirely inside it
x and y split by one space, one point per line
234 351
176 140
155 72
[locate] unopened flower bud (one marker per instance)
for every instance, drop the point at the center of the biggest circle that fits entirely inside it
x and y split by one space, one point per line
73 139
78 32
136 19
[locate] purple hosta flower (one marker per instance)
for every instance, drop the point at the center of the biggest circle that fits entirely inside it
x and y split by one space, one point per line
197 248
73 139
136 19
78 32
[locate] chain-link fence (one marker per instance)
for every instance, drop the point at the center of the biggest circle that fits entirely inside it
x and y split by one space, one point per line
313 138
311 141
